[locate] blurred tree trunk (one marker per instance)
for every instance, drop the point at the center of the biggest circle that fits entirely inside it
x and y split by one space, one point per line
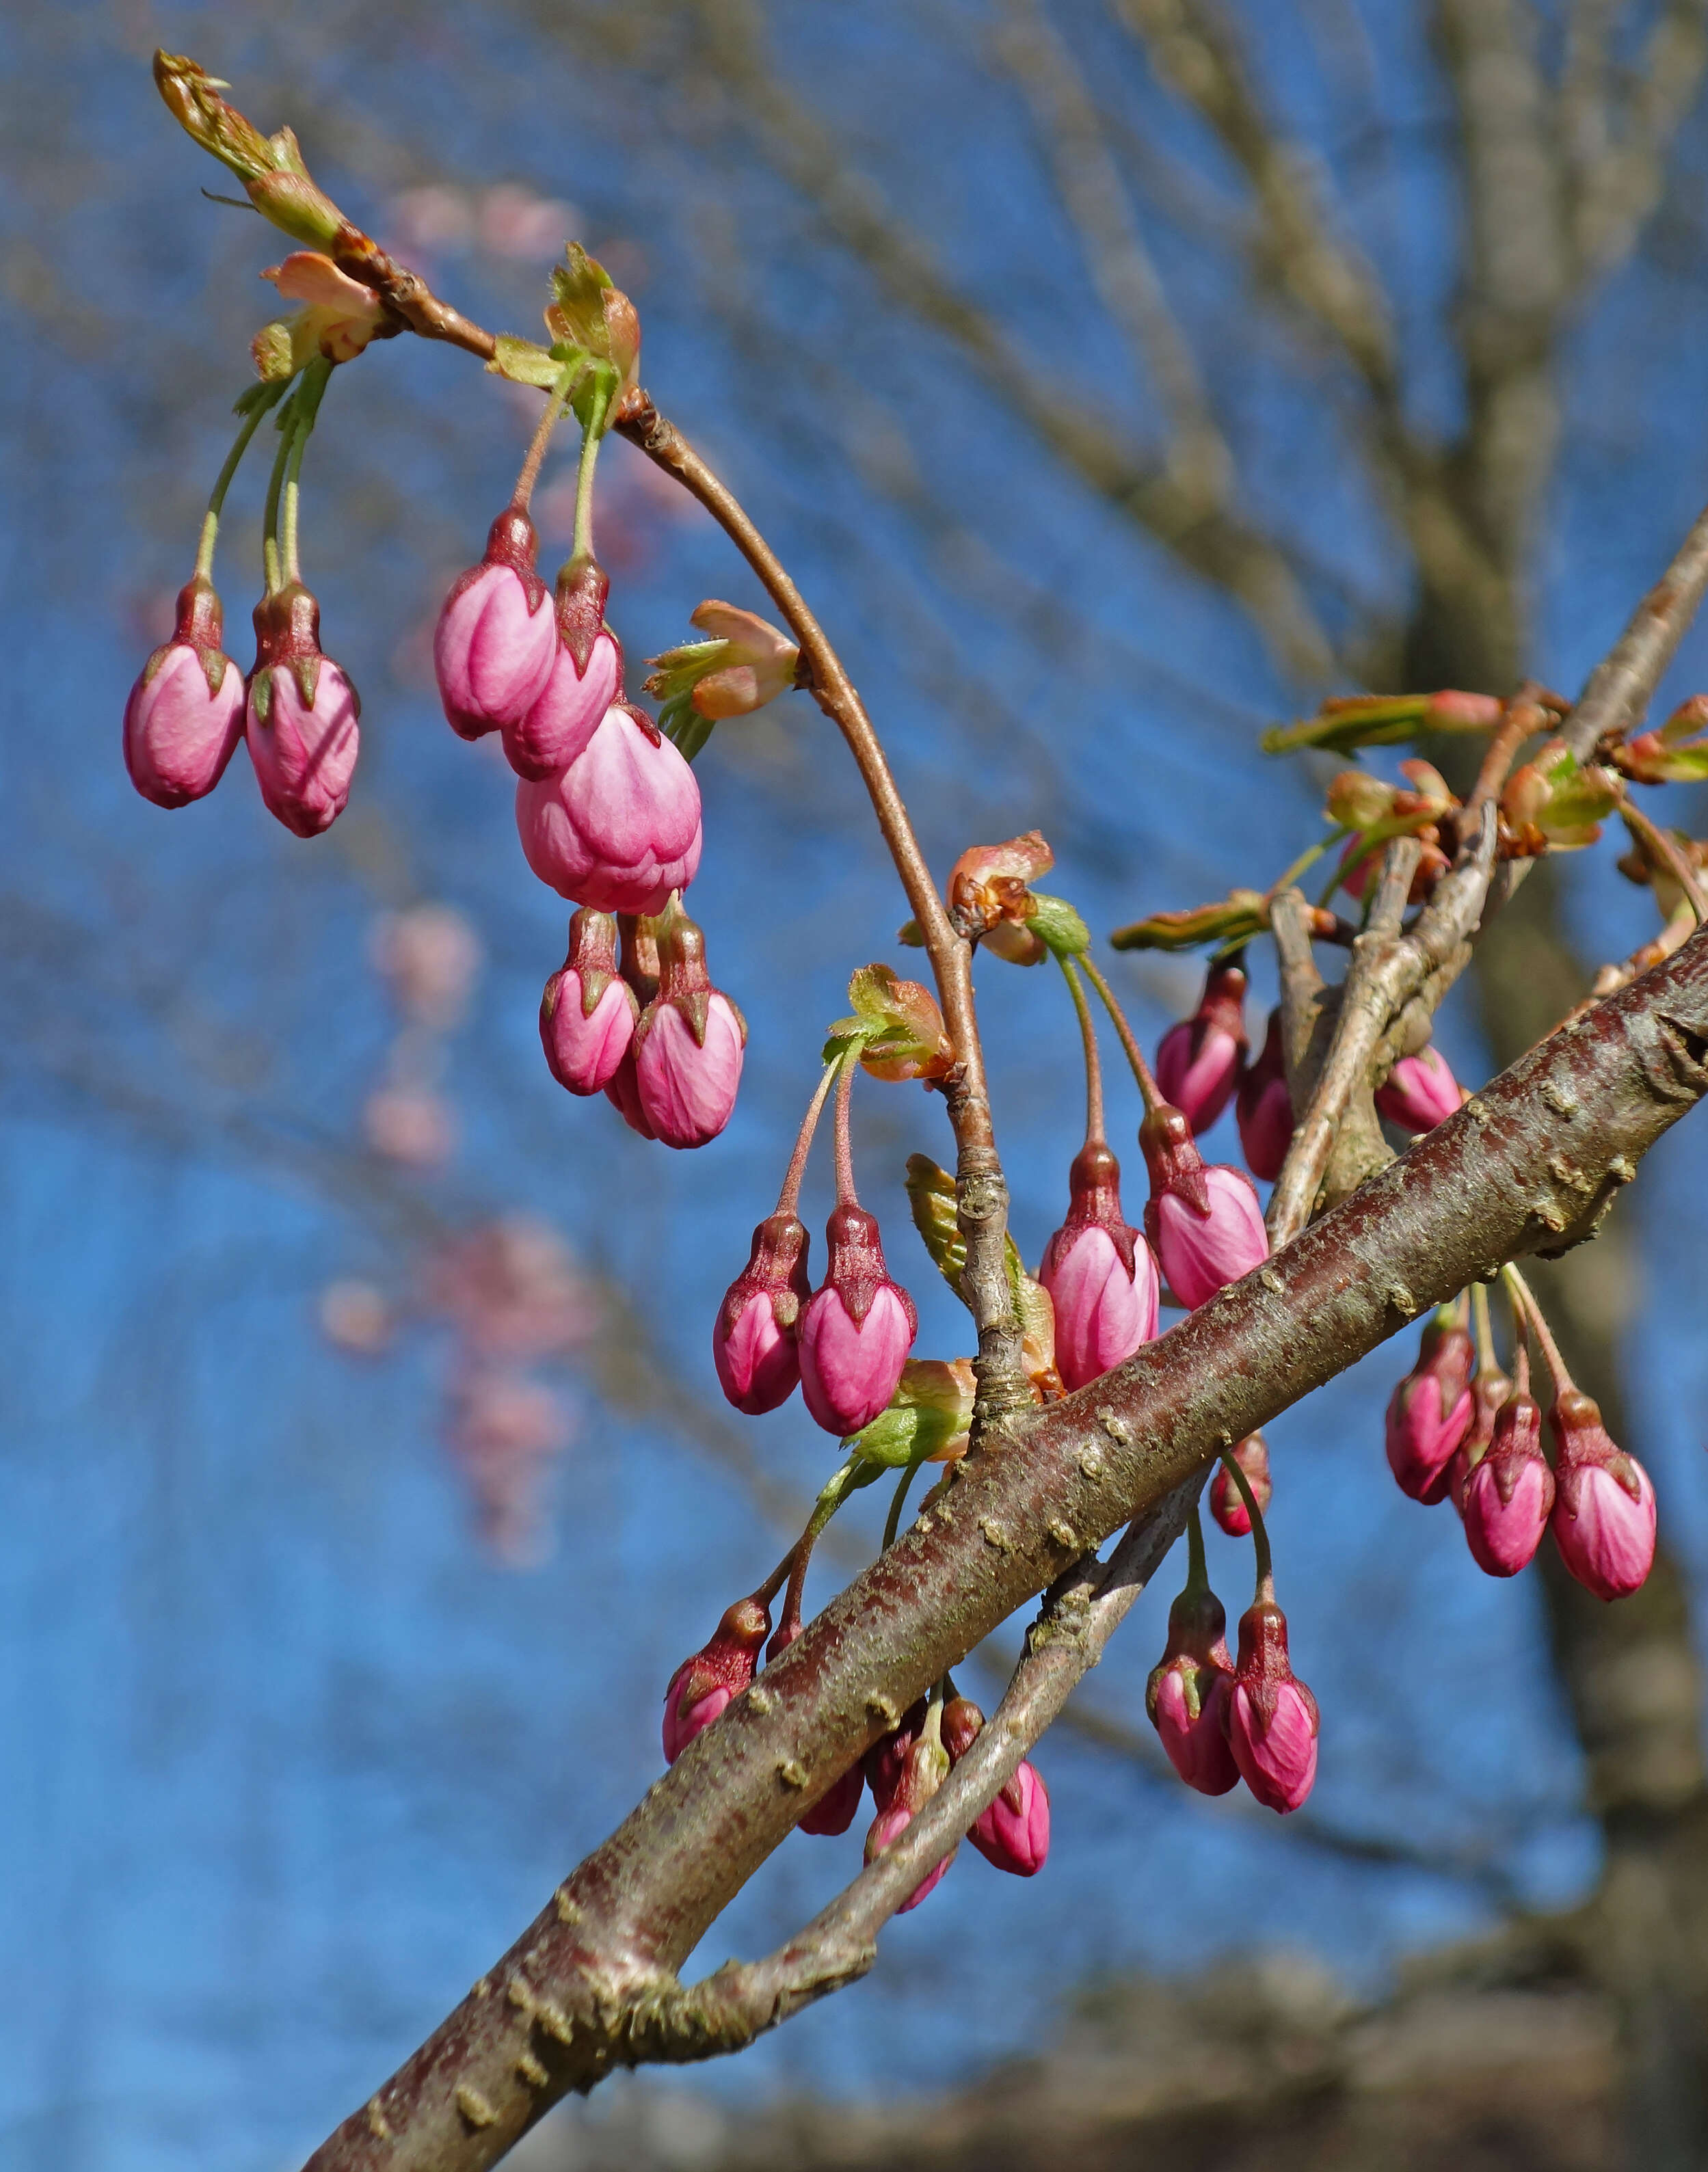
1629 1671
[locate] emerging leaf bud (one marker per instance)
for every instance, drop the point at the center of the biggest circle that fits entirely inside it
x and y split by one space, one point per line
1204 1224
185 714
1508 1494
1420 1092
494 644
1186 1694
583 679
1014 1833
688 1045
1225 1504
1264 1107
619 829
753 1344
715 1676
857 1329
1271 1717
899 1026
1603 1519
1199 1063
1099 1272
928 1419
1429 1413
746 663
587 1013
301 721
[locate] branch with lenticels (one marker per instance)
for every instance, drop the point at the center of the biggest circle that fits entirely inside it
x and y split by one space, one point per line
1529 1163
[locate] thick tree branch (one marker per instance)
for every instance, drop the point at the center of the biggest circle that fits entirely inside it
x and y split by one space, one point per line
1529 1163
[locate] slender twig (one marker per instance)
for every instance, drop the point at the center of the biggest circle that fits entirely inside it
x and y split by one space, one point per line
1663 850
788 1197
1088 1036
1147 1085
1619 688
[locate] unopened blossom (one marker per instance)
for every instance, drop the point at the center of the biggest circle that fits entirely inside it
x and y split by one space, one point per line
1488 1392
1420 1092
1226 1502
715 1676
1204 1221
1099 1273
585 679
743 662
184 717
623 1091
1509 1493
1603 1517
754 1340
301 723
496 640
857 1329
342 315
1012 1833
1186 1694
1264 1107
1430 1412
619 829
688 1045
1199 1060
990 894
924 1769
588 1011
1271 1717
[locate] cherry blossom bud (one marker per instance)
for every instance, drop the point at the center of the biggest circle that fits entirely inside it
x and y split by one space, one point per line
1264 1107
1430 1412
301 723
495 643
753 1344
990 894
857 1329
1603 1521
1204 1224
745 662
1420 1092
585 679
715 1676
923 1770
1508 1494
1225 1504
619 829
885 1761
837 1807
688 1045
624 1093
185 714
587 1013
429 956
1186 1694
1013 1834
1489 1391
1270 1716
1099 1272
1199 1063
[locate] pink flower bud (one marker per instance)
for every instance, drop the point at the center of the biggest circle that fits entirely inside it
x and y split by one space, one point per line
1603 1521
1198 1064
1204 1224
715 1676
1225 1504
924 1769
496 642
587 1013
1508 1494
1013 1834
301 723
1270 1716
1186 1694
1264 1107
1489 1391
1099 1272
1430 1412
885 1761
619 830
585 678
185 714
624 1093
688 1045
837 1807
857 1329
753 1343
1420 1092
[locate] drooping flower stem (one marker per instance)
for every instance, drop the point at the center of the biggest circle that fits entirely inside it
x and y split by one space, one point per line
1260 1537
582 546
1197 1574
1526 1309
305 407
845 1194
788 1198
266 398
529 473
1141 1070
1088 1034
892 1522
852 1474
1483 1325
1307 859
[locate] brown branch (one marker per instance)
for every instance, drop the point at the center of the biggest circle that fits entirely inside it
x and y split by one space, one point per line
1620 687
1531 1161
981 1191
1618 146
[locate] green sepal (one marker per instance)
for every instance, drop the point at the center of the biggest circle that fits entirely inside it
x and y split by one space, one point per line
1578 802
524 362
1056 924
683 726
905 1434
909 934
